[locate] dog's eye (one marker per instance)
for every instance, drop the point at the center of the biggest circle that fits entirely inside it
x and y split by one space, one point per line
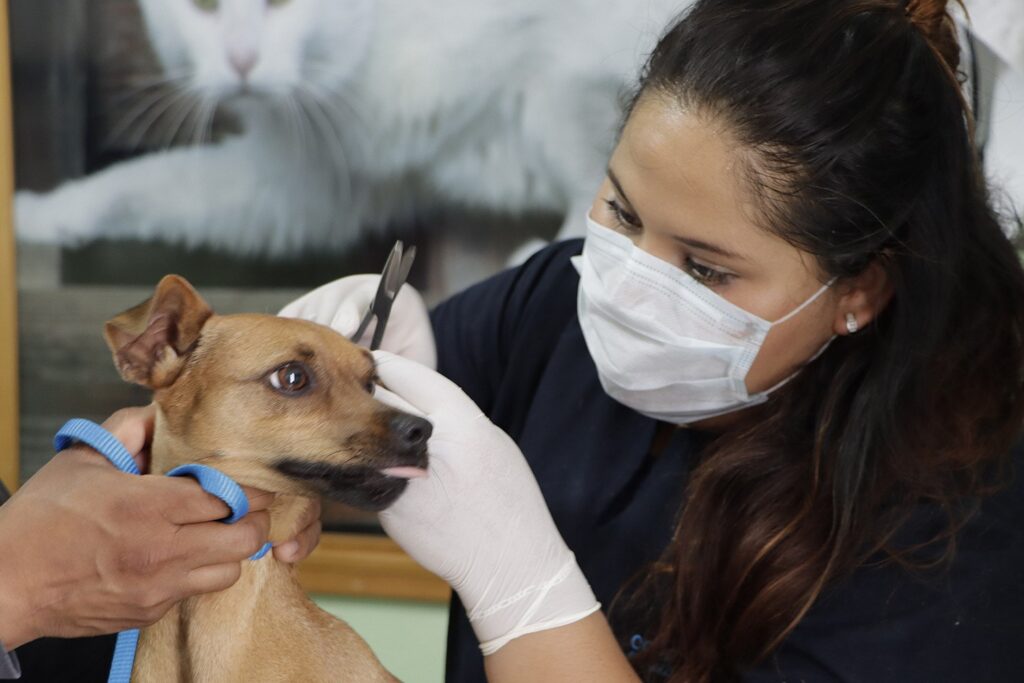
370 386
290 378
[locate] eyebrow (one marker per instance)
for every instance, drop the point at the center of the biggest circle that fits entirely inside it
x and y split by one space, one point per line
692 243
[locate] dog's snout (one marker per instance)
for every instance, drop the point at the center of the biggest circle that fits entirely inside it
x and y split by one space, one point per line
411 432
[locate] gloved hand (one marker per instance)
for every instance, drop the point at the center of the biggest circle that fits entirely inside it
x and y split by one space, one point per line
341 305
479 520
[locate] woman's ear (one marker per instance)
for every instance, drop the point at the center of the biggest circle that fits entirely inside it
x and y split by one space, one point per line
863 297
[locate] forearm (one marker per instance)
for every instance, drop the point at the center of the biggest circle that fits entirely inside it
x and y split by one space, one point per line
582 651
13 633
15 630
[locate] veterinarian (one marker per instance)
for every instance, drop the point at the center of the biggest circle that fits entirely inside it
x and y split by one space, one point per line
764 414
86 550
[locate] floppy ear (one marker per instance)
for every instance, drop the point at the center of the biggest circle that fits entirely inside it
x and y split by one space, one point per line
151 341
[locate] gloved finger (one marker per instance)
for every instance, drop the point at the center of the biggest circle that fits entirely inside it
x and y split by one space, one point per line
425 389
393 400
295 309
346 321
411 335
325 307
311 306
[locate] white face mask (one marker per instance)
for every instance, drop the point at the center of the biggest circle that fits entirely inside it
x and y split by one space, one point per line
664 344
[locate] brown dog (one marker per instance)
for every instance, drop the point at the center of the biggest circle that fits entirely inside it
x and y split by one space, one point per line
281 405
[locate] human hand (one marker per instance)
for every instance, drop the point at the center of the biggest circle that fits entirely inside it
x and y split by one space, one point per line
341 305
299 547
90 549
133 427
479 520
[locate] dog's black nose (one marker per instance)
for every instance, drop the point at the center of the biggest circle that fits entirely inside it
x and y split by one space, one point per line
410 431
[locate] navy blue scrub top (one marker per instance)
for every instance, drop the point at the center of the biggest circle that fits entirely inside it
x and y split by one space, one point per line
514 344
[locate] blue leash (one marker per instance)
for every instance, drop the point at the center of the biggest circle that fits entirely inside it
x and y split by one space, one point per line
212 481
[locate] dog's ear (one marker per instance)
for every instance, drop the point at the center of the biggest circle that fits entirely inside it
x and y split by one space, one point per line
151 341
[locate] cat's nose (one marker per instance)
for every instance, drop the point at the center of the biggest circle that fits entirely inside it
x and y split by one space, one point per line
243 61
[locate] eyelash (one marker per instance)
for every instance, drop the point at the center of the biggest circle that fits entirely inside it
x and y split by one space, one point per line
706 275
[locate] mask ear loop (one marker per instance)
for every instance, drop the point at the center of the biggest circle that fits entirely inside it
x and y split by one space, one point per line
805 304
817 354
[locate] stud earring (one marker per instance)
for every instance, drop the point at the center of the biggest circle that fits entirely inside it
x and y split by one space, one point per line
851 323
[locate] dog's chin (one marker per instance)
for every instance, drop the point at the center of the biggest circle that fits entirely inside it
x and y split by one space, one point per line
356 485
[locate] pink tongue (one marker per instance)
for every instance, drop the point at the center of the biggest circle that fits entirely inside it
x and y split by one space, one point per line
405 472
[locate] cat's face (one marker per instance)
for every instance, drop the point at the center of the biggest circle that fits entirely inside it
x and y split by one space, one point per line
227 47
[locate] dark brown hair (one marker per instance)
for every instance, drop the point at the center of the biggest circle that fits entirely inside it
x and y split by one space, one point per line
861 154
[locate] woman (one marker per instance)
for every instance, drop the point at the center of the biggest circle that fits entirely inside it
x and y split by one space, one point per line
793 259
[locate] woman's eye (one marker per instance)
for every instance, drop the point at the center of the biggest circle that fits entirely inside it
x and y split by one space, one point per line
706 275
290 378
625 219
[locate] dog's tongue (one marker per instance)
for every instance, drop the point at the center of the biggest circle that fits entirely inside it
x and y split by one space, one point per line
405 472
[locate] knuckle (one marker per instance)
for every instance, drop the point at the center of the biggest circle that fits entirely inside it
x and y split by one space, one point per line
136 563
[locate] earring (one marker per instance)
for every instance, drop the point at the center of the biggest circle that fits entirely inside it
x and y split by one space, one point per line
851 323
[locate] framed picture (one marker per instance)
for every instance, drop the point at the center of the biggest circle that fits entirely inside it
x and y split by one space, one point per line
9 461
66 89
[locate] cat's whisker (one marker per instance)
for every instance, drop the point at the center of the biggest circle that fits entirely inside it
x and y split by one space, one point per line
330 95
188 108
137 83
155 114
319 115
203 123
127 124
320 118
132 88
295 124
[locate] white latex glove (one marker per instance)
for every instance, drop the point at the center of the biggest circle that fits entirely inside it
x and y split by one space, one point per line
341 305
478 520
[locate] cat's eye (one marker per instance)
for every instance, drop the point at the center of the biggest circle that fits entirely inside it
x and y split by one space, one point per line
291 378
207 5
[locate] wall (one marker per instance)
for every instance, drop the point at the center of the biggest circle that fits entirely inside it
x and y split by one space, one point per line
408 637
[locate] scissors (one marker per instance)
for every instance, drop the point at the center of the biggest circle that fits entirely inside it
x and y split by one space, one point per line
396 270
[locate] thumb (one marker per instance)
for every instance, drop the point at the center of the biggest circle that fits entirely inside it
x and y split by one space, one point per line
393 400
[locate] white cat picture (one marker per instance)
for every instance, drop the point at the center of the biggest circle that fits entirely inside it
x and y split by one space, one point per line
359 113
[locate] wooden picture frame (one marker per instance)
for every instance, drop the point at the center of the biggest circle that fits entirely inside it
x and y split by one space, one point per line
9 449
351 564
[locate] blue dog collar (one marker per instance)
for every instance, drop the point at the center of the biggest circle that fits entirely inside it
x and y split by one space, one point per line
211 480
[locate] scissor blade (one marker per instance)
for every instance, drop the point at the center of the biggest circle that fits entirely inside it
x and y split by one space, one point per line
392 276
391 266
407 259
